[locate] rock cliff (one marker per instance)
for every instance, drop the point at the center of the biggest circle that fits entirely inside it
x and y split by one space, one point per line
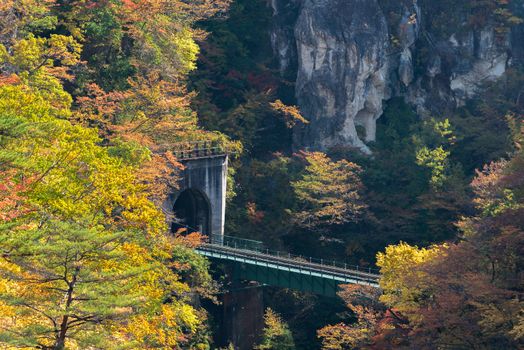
342 68
350 56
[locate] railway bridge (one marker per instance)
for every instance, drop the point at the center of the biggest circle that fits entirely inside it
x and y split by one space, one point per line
200 205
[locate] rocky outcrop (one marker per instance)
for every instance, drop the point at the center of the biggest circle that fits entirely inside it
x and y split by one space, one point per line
349 58
456 69
342 69
480 60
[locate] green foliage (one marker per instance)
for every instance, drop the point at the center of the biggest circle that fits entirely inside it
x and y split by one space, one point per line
261 212
123 39
104 38
439 136
415 203
235 81
132 153
436 160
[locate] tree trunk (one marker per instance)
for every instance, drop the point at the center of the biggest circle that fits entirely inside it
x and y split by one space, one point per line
60 341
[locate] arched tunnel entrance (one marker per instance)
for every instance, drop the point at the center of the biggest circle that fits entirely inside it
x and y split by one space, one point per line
192 211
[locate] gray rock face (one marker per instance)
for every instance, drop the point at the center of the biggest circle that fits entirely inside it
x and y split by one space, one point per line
407 33
349 60
341 47
282 32
481 61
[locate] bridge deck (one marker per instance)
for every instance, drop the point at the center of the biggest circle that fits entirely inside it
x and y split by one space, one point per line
336 274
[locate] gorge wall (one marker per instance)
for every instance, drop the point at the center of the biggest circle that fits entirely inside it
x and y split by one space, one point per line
350 56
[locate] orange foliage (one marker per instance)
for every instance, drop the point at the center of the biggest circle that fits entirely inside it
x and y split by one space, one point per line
192 240
12 79
377 327
291 114
100 103
255 216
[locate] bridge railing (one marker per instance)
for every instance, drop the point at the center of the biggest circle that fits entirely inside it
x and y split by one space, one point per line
236 242
200 149
258 247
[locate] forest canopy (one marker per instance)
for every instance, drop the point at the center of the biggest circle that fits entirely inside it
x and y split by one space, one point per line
97 95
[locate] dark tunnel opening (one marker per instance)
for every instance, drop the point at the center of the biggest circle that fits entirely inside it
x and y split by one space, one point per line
192 212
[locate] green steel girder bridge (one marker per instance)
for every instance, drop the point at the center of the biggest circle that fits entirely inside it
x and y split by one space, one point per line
251 261
200 205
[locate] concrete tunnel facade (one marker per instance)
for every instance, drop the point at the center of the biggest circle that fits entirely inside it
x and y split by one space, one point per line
200 201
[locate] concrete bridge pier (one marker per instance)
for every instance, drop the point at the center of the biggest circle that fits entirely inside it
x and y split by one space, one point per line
243 315
242 311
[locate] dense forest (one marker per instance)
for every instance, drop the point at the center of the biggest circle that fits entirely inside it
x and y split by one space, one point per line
96 95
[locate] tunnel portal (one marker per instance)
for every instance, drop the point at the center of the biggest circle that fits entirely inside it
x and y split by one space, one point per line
199 204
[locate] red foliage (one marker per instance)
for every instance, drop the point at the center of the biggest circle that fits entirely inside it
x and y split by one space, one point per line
264 81
12 196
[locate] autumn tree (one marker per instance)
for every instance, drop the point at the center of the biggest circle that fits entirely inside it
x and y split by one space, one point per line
463 294
328 192
277 335
435 156
373 324
363 302
86 259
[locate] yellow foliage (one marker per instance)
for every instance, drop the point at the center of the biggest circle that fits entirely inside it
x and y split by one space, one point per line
163 330
330 191
88 262
91 218
402 280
